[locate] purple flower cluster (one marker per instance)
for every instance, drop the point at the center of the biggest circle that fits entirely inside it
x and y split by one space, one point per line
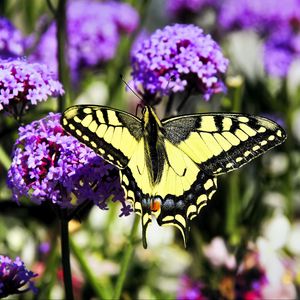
50 165
278 24
23 84
256 14
93 33
11 40
280 49
14 276
247 281
178 58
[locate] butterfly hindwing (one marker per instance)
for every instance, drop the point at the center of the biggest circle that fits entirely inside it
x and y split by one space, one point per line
184 189
113 134
221 142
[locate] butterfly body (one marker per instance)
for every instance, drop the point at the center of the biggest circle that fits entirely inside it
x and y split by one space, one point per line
168 168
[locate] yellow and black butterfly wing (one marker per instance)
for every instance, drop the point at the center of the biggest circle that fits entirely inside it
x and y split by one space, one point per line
117 137
112 134
221 142
200 147
183 190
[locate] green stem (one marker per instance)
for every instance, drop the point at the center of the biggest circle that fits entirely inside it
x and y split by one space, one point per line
126 259
101 290
233 195
4 158
65 255
61 36
3 5
49 275
289 187
232 207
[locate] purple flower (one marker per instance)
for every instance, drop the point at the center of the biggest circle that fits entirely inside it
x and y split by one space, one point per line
23 84
50 165
280 49
190 290
14 276
93 31
264 16
178 58
11 40
251 278
125 17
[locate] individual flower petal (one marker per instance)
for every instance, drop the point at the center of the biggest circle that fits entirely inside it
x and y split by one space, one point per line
14 277
49 165
178 58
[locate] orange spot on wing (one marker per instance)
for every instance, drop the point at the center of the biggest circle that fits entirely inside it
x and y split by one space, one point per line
155 204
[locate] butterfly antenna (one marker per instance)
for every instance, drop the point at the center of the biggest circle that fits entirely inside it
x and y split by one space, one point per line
172 78
130 88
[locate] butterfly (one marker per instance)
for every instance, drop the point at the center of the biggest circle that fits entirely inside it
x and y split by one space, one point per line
168 168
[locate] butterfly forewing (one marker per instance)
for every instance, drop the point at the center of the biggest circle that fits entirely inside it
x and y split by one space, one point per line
112 134
219 143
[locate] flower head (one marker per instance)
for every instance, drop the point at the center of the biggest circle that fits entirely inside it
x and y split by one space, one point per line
14 276
50 165
11 40
264 16
280 49
178 58
23 84
93 31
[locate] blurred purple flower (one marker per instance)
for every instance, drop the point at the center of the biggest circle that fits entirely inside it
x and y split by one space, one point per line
14 276
93 31
23 84
250 279
280 49
178 58
264 16
11 40
182 7
125 17
49 165
44 247
190 290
